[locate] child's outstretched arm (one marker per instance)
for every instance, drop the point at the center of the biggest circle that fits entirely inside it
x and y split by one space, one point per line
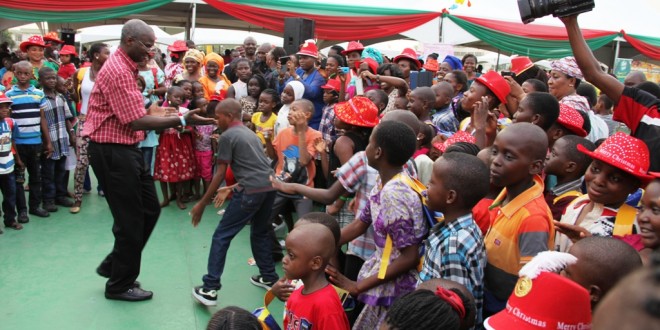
198 209
408 260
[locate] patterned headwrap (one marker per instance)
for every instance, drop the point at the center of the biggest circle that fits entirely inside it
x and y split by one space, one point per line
567 66
195 55
214 57
374 54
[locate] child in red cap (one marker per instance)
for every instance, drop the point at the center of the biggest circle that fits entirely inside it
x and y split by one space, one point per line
619 168
538 288
67 68
490 90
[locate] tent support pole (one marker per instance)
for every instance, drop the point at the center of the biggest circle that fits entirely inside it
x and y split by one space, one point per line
194 20
497 65
616 54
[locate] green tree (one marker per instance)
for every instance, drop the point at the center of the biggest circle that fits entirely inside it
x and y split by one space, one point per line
6 36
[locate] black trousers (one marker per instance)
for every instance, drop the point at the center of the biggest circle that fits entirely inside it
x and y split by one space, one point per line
131 195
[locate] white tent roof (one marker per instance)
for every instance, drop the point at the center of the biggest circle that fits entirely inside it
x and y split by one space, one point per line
113 32
230 37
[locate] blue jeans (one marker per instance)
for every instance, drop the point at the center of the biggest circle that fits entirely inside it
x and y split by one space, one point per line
53 176
8 188
148 155
241 209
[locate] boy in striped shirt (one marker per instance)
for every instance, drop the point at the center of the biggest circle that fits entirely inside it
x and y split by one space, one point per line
8 160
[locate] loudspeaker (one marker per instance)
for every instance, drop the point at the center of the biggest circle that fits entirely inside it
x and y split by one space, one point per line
68 36
296 31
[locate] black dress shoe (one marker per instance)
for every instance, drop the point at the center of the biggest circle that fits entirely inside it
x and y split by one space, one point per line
132 294
23 217
50 207
105 274
63 201
40 212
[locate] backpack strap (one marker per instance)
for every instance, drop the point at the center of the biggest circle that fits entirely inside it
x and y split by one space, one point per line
572 193
625 218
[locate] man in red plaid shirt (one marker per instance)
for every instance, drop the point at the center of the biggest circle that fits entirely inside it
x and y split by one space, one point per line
116 121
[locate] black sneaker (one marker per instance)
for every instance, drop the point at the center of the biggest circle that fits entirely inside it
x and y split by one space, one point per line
40 212
259 281
205 297
50 206
23 217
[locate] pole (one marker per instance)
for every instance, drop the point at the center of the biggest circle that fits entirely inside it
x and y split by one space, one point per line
616 54
194 21
497 65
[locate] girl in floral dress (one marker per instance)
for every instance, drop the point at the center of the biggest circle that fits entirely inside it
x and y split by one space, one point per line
175 158
394 210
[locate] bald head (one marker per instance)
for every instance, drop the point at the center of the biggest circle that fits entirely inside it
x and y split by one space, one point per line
230 107
264 48
530 137
443 88
316 238
405 117
634 78
425 94
135 29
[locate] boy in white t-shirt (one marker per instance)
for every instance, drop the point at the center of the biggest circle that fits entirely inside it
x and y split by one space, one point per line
8 159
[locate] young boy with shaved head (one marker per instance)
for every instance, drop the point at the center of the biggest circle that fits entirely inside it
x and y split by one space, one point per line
316 304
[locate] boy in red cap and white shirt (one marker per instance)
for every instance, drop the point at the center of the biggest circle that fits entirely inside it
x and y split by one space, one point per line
619 168
8 158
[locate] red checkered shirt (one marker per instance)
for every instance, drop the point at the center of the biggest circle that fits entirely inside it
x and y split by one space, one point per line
115 102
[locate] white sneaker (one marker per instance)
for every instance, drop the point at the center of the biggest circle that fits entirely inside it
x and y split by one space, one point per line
206 297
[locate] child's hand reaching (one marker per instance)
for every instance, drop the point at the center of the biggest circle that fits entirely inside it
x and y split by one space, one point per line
282 289
320 145
342 281
574 232
282 186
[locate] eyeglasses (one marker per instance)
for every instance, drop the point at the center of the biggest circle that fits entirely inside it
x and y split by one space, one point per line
149 50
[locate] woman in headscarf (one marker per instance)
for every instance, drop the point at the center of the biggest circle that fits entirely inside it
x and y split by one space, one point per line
449 64
192 63
177 51
293 91
565 77
214 82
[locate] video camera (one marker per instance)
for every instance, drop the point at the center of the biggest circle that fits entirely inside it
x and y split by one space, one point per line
533 9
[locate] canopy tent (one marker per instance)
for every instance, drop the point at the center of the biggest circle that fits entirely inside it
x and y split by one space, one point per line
336 20
113 32
542 41
229 37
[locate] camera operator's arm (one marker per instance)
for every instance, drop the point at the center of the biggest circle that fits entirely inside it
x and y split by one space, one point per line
588 63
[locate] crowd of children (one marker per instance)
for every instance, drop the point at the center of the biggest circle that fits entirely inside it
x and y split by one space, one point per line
453 206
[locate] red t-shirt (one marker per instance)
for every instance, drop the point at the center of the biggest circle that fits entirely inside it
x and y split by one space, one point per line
66 71
482 215
318 311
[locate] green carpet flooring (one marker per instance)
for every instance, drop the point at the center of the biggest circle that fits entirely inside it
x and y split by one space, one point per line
48 279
